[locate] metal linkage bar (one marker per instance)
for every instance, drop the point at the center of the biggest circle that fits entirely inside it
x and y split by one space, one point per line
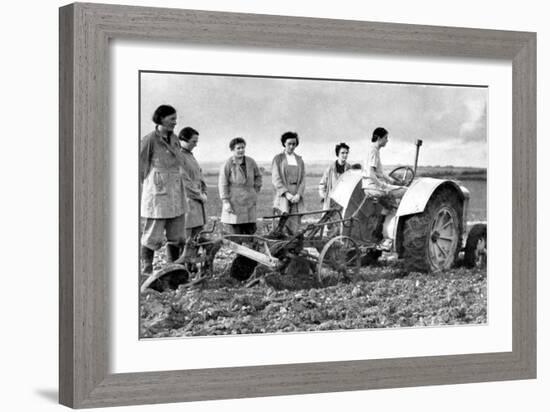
254 237
314 212
263 259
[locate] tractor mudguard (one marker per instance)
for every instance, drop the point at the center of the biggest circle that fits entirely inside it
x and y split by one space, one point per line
416 198
347 187
419 192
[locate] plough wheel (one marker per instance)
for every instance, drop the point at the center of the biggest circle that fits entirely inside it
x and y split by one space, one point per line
170 277
339 259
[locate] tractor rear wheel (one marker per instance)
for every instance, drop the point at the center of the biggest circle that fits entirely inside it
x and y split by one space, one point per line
432 239
475 252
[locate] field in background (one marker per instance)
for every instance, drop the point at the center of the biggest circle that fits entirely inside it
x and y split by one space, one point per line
474 179
317 169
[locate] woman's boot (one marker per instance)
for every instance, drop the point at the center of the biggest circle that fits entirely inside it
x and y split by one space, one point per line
172 252
147 260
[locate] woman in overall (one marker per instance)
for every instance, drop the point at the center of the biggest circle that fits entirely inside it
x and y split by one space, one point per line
288 175
239 182
163 198
196 190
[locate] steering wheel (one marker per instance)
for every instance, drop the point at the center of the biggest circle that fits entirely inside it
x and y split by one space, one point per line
403 175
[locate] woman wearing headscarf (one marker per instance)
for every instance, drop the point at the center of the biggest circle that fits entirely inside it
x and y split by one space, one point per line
163 200
239 182
333 173
195 187
288 176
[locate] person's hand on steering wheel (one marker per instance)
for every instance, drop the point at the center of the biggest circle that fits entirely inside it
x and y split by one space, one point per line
402 175
395 181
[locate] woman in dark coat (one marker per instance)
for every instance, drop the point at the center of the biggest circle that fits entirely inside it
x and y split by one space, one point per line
333 173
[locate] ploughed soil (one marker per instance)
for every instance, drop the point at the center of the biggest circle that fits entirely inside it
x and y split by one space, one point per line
380 296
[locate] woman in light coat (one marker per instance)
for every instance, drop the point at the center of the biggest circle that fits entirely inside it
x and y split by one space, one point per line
288 174
239 182
163 198
333 173
195 187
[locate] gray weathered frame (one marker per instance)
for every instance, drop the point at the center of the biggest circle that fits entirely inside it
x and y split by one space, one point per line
85 31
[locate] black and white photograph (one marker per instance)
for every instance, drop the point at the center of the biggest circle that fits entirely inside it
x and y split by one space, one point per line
276 204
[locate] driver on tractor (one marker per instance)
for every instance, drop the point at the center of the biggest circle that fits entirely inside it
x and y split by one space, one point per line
378 185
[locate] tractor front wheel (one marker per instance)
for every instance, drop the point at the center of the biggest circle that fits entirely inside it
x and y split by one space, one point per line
432 239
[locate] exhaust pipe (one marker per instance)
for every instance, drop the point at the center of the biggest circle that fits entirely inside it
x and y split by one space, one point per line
418 143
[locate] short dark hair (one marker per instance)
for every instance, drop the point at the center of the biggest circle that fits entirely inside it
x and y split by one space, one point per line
378 133
187 133
162 111
234 142
290 135
339 147
356 166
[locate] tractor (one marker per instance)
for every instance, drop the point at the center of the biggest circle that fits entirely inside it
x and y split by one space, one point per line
426 229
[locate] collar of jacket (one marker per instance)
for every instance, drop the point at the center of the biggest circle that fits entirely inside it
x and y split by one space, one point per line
235 162
170 145
283 155
159 134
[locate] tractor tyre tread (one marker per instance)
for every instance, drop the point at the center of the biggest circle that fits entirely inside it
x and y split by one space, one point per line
477 232
416 230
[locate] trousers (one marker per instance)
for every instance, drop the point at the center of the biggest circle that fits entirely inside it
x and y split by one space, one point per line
156 230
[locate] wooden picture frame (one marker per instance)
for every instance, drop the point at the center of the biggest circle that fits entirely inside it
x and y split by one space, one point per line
85 31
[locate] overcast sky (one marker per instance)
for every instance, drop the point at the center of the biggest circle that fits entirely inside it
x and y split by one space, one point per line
452 121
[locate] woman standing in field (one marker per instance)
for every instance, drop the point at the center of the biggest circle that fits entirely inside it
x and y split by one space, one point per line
239 182
288 175
195 187
333 172
163 199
